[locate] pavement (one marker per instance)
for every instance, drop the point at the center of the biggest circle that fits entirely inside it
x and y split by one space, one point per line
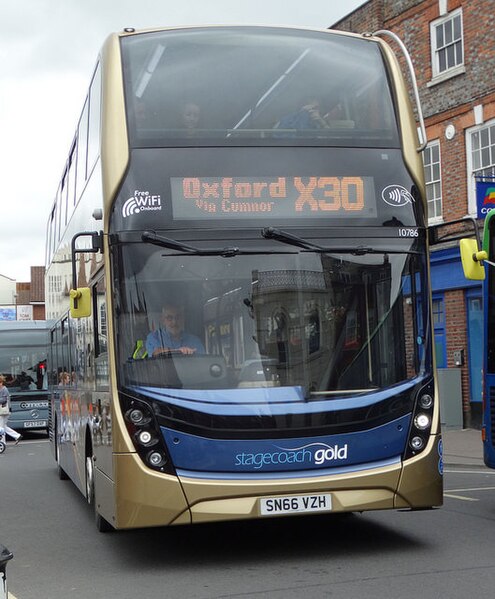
462 447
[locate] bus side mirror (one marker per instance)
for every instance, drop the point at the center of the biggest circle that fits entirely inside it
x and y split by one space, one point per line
471 259
80 302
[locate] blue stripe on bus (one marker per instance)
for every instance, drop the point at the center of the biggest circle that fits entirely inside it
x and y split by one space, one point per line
192 452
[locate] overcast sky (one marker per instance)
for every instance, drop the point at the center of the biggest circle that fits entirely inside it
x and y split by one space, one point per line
48 49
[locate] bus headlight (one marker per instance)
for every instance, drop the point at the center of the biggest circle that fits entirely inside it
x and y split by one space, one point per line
146 434
417 443
156 459
144 437
421 421
135 416
426 401
138 417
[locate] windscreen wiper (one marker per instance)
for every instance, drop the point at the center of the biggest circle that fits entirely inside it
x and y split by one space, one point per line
289 238
166 242
184 248
360 250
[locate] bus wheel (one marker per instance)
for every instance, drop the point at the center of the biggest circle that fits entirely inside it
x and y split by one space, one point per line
101 524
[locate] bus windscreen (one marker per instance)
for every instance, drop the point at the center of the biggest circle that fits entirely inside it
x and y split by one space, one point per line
260 86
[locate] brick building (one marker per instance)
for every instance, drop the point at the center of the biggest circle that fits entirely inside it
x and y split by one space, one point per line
452 46
31 296
23 301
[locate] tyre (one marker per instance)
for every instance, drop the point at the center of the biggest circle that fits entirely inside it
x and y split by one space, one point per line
102 525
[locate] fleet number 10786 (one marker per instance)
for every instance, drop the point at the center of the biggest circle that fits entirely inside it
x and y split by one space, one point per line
408 232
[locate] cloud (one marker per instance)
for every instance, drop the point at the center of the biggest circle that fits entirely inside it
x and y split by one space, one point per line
48 49
33 149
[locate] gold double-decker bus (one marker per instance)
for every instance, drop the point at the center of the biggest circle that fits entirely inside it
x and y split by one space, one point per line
237 270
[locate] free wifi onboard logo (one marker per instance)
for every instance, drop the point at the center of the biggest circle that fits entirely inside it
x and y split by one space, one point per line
141 201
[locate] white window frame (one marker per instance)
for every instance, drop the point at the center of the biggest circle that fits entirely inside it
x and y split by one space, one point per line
483 165
448 72
431 181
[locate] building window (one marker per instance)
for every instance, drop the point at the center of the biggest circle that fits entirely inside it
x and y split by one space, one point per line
55 284
480 144
433 180
438 313
447 44
483 151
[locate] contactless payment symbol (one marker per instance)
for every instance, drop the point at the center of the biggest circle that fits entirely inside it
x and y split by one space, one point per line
396 195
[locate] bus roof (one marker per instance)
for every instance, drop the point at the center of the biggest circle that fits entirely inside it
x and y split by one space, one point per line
23 325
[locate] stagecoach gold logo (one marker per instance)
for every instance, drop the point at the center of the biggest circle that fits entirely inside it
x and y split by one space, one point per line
141 201
313 453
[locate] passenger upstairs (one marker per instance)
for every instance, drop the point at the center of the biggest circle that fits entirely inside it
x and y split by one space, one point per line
307 117
171 337
190 117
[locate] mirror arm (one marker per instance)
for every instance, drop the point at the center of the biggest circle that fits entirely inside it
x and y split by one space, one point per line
96 246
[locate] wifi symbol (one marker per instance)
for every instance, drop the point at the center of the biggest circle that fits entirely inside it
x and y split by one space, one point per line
130 207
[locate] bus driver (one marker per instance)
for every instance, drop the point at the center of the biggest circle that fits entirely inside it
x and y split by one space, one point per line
171 336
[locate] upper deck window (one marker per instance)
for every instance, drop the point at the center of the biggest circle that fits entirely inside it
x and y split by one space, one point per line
256 86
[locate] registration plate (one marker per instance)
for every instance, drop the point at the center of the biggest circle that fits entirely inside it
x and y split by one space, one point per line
293 504
35 424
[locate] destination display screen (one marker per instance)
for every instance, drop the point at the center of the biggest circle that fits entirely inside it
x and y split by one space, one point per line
205 198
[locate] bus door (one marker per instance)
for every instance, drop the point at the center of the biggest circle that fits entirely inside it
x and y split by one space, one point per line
61 381
100 415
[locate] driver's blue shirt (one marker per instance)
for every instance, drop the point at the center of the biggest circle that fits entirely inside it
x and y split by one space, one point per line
162 338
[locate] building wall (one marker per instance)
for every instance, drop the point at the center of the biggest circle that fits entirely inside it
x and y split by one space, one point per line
31 296
26 300
460 102
455 314
38 284
7 290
